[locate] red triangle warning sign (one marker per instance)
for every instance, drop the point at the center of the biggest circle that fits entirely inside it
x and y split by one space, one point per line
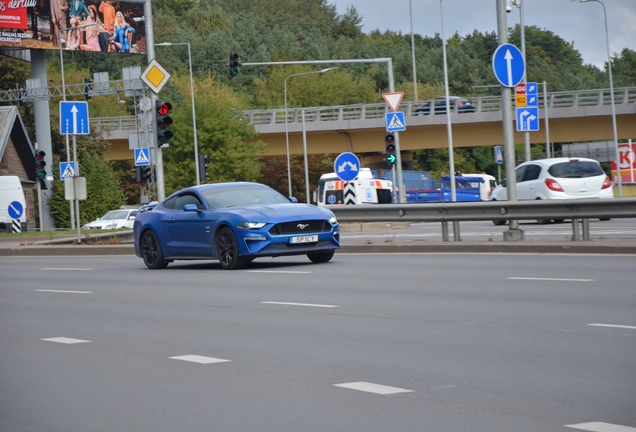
393 99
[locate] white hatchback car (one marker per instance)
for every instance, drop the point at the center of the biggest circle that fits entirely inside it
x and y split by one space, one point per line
114 219
557 178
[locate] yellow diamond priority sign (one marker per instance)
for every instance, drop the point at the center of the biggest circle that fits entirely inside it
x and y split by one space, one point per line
155 76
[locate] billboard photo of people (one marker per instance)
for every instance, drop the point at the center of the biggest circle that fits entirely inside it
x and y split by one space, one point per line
93 25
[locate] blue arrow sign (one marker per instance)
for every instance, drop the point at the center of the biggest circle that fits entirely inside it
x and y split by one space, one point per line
346 166
527 119
532 94
67 169
74 118
395 122
508 65
142 156
15 209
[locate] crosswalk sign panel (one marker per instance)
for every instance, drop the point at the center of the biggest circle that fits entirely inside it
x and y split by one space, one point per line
142 156
395 122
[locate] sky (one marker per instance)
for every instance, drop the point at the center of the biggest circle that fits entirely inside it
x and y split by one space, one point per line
579 23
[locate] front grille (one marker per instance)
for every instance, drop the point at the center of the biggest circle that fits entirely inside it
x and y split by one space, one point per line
308 226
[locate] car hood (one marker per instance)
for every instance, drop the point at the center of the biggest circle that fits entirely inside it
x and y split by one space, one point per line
281 212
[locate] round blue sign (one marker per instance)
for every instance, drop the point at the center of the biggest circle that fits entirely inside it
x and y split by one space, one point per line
15 209
509 65
346 166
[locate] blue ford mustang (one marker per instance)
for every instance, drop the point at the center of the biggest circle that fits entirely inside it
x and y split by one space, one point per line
233 223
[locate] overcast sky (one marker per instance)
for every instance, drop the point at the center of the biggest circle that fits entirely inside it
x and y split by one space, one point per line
579 23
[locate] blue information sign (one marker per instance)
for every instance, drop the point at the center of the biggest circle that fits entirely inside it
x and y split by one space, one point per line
527 119
346 166
15 209
395 122
142 156
498 155
508 65
532 94
74 118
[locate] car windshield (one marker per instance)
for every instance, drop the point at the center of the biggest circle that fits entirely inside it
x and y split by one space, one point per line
115 214
575 170
242 196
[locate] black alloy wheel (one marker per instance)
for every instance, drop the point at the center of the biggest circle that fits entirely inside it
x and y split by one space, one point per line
227 250
321 257
151 252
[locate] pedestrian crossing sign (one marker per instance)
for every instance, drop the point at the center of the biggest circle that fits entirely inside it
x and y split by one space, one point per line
142 156
395 122
67 169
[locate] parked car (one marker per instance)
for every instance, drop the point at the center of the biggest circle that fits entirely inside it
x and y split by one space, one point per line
557 178
114 219
463 106
233 223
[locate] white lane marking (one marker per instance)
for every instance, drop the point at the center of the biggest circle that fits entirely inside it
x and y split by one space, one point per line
66 340
300 304
277 271
373 388
601 427
614 326
64 291
199 359
65 269
551 279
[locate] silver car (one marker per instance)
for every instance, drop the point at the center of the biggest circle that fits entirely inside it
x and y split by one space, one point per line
114 219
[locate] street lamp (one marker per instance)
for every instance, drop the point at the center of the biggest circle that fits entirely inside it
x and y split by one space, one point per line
522 29
449 128
194 117
289 185
609 69
413 54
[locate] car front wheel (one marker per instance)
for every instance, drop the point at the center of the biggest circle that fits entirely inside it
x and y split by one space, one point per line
321 257
151 252
227 250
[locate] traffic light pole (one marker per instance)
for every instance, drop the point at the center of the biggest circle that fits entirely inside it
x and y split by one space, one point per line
389 66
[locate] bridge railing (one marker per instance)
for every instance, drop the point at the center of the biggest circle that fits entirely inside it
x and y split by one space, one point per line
483 104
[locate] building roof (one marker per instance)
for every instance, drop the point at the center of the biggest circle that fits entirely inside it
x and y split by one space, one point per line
11 126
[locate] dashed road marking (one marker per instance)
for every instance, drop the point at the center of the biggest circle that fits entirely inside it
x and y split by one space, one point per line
300 304
551 279
601 427
278 271
199 359
64 291
66 340
614 326
373 388
65 269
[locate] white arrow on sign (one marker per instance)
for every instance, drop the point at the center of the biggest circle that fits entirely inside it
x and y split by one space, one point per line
509 58
530 120
74 111
351 165
523 116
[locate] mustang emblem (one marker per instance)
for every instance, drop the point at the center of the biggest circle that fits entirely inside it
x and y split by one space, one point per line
302 226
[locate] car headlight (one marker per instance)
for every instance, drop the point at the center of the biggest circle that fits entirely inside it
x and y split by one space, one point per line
251 225
333 220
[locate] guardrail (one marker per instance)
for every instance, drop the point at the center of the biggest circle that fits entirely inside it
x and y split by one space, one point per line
577 210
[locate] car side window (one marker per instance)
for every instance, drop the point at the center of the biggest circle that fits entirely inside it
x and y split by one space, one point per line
182 200
532 173
133 214
519 173
169 203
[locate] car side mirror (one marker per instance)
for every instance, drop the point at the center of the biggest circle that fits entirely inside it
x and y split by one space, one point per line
190 208
503 183
293 200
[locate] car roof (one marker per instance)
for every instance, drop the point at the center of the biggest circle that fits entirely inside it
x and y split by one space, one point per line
552 161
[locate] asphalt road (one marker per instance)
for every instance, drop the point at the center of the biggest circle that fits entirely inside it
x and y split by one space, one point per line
368 342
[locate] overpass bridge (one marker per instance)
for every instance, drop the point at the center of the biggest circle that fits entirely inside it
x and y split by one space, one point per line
574 116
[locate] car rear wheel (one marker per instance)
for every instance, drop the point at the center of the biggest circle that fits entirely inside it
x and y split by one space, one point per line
151 252
321 257
227 250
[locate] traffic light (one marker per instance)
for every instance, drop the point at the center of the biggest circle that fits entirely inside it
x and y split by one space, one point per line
203 168
163 123
40 172
87 88
146 174
136 174
389 153
234 64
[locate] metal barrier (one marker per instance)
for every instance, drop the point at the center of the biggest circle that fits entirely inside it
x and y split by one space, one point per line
455 212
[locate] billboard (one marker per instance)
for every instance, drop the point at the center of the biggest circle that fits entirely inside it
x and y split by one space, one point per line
627 158
101 26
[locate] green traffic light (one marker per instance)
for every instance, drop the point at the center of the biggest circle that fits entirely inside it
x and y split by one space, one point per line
391 158
41 175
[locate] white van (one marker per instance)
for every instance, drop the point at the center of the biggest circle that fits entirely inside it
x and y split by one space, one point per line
13 209
485 188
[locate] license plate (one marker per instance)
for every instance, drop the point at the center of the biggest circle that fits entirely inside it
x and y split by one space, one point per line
304 239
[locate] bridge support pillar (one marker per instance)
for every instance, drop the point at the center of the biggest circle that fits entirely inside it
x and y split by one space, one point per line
515 234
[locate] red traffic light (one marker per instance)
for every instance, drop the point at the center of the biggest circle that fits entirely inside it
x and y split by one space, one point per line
39 155
163 108
389 142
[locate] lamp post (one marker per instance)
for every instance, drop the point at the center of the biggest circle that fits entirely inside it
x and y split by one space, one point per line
413 54
449 128
522 29
289 185
609 69
194 116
